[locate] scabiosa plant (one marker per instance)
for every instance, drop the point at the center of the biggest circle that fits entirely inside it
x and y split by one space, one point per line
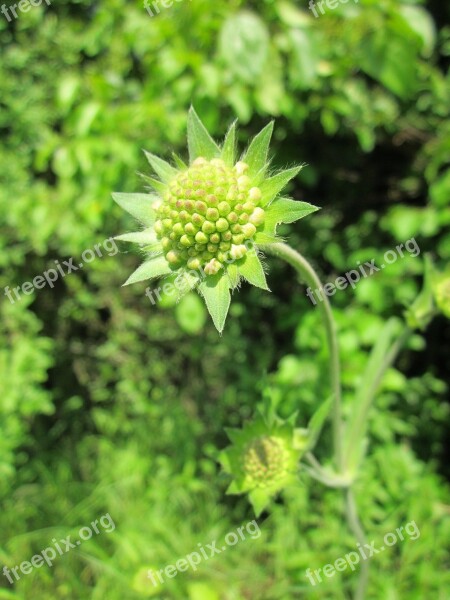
207 221
263 459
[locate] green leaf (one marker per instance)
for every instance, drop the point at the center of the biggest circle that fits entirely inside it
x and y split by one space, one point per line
283 210
244 47
162 168
233 275
155 267
256 155
391 59
252 270
272 186
215 289
190 314
138 205
200 143
421 22
304 57
228 154
146 236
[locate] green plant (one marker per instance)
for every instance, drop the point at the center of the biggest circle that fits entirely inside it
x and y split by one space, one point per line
198 221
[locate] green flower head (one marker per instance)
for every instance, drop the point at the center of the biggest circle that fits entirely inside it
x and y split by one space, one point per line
263 459
208 221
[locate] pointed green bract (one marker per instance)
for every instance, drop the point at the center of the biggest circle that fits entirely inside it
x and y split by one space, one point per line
215 289
264 238
233 276
154 267
186 282
138 205
179 161
158 186
162 168
228 154
146 236
252 270
284 210
273 186
256 155
200 143
259 499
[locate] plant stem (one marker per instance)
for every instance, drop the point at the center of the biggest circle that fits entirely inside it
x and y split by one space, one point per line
307 273
357 431
356 527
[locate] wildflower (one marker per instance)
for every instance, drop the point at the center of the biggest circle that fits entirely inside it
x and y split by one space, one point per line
206 221
263 459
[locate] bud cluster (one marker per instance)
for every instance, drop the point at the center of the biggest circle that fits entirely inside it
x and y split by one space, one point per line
266 460
207 215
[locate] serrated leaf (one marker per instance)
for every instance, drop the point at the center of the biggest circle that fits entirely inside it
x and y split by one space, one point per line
273 185
162 168
146 236
138 205
283 210
154 267
233 275
228 153
215 289
200 143
252 270
256 155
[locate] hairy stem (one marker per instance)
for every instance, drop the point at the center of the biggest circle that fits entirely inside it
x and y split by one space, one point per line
356 527
357 431
309 276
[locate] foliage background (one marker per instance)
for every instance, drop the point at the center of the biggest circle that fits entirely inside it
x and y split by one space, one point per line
111 404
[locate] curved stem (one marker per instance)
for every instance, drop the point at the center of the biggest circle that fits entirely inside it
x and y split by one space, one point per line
307 273
356 527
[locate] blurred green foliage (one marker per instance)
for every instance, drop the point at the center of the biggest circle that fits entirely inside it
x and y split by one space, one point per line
109 403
